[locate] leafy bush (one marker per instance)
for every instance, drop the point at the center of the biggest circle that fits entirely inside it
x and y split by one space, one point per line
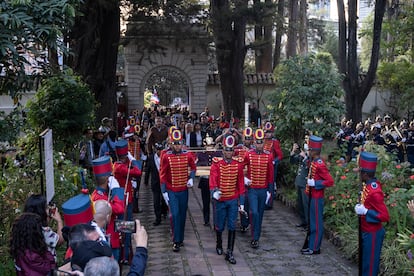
308 96
18 182
64 104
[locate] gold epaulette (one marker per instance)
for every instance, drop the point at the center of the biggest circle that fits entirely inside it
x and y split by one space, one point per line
217 159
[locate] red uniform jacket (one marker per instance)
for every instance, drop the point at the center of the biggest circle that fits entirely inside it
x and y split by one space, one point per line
241 150
319 172
121 172
227 177
259 168
373 199
174 170
273 146
117 209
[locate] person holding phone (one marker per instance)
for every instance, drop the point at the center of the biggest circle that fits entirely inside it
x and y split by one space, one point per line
37 204
106 266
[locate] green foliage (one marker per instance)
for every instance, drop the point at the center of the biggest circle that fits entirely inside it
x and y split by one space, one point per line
64 104
308 96
29 28
18 182
10 125
398 77
398 186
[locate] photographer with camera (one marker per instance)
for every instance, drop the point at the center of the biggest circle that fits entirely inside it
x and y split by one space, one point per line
37 204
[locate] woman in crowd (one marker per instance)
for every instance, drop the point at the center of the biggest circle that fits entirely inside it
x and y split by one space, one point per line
37 204
28 247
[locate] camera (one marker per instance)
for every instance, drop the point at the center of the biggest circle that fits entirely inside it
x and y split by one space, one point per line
51 209
125 226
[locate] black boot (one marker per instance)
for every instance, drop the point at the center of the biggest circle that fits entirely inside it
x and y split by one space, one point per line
230 247
219 243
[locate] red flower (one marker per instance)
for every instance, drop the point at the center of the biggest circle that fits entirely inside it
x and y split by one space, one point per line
412 177
393 204
412 236
332 198
398 166
343 177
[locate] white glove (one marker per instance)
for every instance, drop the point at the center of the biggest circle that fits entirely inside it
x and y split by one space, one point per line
217 194
190 183
247 181
166 198
134 183
311 182
241 208
143 157
268 195
360 209
130 157
404 140
112 182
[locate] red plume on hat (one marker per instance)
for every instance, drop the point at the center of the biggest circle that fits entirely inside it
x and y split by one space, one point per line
176 136
259 134
171 129
248 133
269 127
131 121
228 142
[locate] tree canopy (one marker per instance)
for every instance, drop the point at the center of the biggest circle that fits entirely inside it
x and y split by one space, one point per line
308 96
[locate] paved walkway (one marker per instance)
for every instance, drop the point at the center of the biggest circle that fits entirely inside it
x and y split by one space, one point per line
278 253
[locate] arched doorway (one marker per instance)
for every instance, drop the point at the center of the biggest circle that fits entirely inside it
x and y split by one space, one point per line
170 85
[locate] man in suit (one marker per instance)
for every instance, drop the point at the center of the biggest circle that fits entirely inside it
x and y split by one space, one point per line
160 207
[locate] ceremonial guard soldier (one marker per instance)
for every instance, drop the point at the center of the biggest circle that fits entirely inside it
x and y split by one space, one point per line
227 189
124 171
106 190
260 180
134 153
318 179
373 213
272 145
240 151
175 181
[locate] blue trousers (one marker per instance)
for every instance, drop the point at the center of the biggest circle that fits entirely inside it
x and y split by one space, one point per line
316 223
371 251
127 241
226 210
178 213
257 200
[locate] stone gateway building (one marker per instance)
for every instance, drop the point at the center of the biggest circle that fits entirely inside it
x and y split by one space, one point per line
177 65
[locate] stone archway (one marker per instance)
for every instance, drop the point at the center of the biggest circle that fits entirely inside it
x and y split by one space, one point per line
178 65
171 85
